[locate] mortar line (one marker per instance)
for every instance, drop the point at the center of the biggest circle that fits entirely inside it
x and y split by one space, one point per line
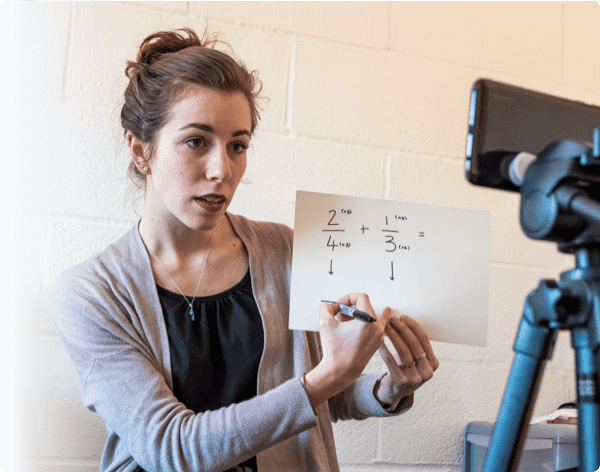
55 217
39 336
393 466
58 461
50 228
67 63
530 267
563 34
379 440
296 34
389 26
356 144
387 168
289 92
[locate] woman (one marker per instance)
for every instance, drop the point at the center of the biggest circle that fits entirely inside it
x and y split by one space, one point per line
178 331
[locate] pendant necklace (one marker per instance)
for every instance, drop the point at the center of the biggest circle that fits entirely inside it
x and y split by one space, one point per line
199 280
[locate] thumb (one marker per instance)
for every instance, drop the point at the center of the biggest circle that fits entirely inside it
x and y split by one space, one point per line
385 316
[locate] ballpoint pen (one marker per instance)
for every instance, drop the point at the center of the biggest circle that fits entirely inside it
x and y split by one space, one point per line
353 312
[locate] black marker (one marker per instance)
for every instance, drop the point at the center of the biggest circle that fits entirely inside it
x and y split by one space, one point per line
353 312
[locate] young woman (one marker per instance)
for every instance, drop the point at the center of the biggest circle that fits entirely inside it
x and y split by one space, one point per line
178 331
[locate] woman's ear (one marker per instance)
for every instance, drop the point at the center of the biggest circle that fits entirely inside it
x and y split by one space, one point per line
139 152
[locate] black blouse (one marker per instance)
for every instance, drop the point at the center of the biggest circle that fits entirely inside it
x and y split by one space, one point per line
214 358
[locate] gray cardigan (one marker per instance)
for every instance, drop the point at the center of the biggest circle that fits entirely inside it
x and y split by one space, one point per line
107 313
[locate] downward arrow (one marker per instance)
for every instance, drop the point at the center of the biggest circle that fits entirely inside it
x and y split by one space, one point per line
392 277
331 267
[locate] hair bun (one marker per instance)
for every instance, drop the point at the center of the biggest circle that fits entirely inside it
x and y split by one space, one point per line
165 42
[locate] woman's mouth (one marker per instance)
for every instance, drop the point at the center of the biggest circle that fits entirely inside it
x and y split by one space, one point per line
211 202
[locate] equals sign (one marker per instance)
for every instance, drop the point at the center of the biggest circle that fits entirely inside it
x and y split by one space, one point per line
421 234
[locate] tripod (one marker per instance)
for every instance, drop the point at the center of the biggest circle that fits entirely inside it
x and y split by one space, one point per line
558 203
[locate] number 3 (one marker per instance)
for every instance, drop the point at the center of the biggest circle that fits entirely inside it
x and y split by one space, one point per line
390 240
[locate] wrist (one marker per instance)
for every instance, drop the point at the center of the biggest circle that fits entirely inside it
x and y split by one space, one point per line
321 384
383 394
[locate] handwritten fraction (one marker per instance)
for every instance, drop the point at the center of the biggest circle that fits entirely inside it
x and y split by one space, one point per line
429 262
391 241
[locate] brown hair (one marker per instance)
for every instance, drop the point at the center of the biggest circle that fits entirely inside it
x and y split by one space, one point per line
169 63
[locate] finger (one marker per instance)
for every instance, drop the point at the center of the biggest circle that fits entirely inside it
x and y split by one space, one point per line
343 317
404 354
390 362
327 313
360 301
419 332
425 366
401 376
407 334
338 314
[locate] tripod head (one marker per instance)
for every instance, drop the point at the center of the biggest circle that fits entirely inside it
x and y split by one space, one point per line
559 197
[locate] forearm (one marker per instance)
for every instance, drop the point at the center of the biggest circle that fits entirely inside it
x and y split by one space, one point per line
322 383
161 434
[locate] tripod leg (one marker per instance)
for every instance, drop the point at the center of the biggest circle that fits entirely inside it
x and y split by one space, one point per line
588 399
533 346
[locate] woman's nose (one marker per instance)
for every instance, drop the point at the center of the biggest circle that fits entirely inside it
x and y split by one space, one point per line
218 164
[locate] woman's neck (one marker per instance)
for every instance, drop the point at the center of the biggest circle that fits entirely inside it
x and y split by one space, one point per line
182 258
173 241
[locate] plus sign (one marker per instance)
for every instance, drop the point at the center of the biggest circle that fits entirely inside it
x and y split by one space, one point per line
363 229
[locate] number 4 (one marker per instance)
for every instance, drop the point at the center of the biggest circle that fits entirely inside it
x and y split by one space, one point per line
331 243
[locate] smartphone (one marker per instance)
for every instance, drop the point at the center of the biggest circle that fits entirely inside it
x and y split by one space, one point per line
505 120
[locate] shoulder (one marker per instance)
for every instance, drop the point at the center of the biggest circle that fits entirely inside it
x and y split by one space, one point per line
96 307
93 281
111 261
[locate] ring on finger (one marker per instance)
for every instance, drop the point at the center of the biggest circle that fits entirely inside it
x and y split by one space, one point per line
422 356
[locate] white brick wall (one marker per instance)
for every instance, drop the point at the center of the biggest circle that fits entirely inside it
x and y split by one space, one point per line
374 94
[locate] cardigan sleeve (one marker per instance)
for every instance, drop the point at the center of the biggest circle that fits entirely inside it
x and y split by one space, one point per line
122 381
358 401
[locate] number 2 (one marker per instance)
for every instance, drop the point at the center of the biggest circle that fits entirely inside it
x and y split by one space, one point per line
330 221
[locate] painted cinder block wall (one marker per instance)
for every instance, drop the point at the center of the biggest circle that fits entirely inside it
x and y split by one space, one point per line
365 99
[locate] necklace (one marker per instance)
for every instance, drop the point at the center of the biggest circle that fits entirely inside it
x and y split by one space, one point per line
199 280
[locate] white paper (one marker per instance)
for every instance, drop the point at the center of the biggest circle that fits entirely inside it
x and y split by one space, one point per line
431 263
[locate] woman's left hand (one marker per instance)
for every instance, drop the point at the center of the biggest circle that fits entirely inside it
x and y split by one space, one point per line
413 364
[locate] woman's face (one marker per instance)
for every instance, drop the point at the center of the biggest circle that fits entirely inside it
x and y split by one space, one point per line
199 158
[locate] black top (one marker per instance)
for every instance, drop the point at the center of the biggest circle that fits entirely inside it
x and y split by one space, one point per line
214 358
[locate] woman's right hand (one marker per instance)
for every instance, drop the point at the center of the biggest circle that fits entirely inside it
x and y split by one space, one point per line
348 344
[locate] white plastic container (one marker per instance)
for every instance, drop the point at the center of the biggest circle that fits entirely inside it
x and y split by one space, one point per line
548 447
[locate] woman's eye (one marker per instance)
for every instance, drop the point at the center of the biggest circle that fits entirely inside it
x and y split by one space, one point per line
239 147
195 142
